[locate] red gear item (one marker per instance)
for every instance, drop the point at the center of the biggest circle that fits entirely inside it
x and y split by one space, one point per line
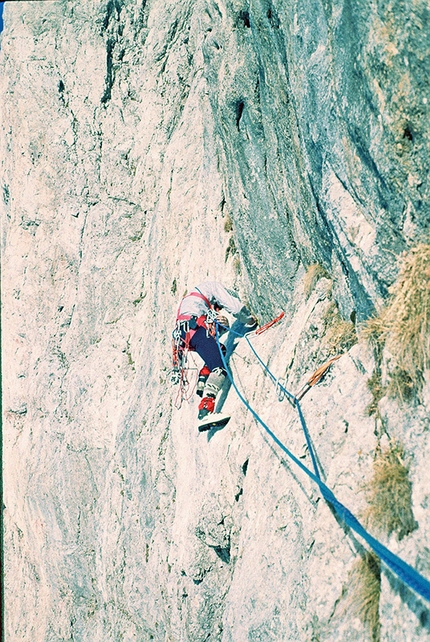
204 372
207 403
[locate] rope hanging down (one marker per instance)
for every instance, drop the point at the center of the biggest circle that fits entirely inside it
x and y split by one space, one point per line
405 572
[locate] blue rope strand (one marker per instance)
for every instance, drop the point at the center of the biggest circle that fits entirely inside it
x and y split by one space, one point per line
295 401
258 418
307 437
405 572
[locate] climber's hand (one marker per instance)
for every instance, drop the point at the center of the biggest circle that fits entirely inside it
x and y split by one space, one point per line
223 321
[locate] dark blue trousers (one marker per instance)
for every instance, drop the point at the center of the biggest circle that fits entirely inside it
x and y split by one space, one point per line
207 348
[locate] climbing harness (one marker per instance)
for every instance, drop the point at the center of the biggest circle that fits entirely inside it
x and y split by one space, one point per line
405 572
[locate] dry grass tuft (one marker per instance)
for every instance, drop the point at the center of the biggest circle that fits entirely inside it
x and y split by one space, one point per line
389 494
377 390
364 592
401 385
340 335
373 331
237 266
231 249
228 223
313 273
404 323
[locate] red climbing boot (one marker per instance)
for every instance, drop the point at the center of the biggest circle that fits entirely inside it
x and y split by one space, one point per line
206 407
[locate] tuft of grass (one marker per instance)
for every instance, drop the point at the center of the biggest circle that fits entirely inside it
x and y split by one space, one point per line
377 390
365 591
403 325
228 223
231 249
373 331
237 266
340 335
313 274
401 385
389 493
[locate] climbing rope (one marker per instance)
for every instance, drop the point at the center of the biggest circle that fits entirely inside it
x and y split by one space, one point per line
281 389
405 572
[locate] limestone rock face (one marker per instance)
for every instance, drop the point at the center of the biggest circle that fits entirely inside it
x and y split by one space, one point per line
147 146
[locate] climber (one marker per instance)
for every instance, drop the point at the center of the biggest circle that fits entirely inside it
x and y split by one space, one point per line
195 330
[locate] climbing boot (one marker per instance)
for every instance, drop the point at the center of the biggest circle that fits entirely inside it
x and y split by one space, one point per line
206 407
214 382
251 326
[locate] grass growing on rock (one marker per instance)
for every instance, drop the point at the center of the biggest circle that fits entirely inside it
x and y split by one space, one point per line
364 593
237 266
401 385
231 249
389 493
377 391
340 335
313 274
228 223
403 325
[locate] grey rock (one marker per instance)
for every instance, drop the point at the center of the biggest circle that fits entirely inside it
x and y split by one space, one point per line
146 146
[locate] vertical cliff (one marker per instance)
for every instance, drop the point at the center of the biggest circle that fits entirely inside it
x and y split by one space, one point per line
147 146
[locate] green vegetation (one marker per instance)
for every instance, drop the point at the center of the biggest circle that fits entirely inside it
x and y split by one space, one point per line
401 386
315 626
237 265
231 249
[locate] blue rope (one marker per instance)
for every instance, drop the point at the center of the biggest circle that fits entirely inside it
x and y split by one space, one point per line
405 572
289 395
297 405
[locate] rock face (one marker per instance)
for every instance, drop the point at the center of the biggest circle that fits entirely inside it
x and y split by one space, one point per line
147 146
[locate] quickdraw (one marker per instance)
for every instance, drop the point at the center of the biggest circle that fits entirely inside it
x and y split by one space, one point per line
315 377
280 388
268 325
211 316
